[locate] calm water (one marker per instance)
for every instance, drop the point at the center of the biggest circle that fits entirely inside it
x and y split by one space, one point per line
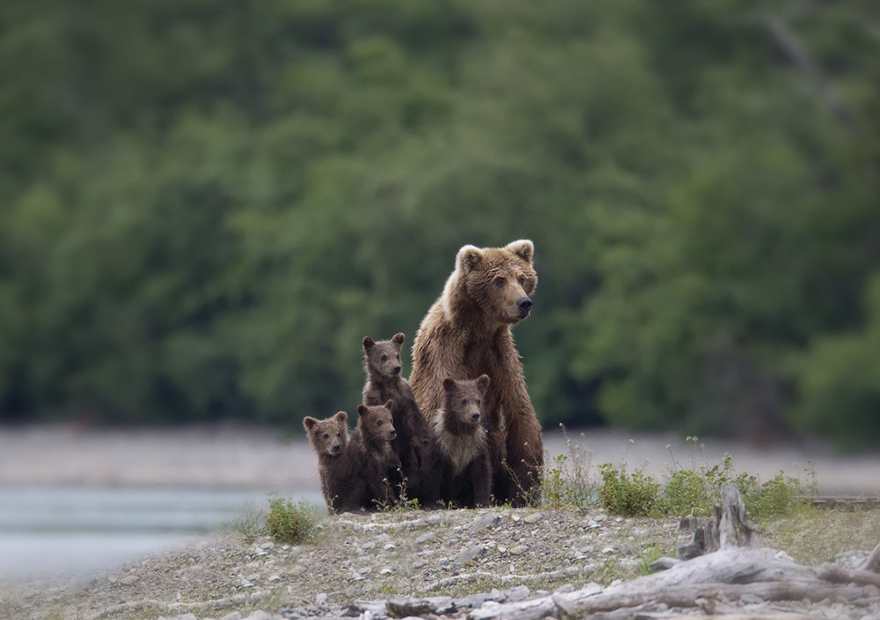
63 529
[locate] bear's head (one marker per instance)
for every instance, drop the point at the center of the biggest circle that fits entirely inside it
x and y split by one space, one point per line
375 423
327 436
382 359
498 282
463 402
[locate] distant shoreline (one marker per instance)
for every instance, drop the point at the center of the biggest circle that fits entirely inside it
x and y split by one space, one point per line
256 457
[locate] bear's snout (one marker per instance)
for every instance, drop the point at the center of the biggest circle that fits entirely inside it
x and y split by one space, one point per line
475 416
392 433
396 370
337 447
525 305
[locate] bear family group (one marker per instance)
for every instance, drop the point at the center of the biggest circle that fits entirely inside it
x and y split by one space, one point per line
462 431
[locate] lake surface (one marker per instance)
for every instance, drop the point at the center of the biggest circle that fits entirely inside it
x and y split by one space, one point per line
63 529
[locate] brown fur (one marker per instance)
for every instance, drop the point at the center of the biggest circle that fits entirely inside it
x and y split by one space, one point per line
385 381
364 470
458 454
466 333
329 439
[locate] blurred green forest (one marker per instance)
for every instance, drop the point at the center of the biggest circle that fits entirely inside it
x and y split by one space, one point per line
206 204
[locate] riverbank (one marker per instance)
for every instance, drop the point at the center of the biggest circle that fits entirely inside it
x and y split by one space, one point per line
251 457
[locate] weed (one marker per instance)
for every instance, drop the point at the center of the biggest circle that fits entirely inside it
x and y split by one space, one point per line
628 494
250 524
569 480
287 522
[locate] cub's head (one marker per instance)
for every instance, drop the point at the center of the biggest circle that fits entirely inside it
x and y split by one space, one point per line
383 358
327 436
500 281
375 423
464 399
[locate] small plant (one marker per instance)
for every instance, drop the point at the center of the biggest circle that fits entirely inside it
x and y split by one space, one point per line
568 481
649 556
287 522
251 523
626 494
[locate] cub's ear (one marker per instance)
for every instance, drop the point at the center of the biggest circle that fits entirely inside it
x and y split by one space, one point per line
468 258
368 343
398 338
523 248
448 384
341 416
389 405
483 383
309 423
361 410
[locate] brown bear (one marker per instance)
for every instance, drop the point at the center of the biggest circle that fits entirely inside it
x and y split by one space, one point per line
368 465
458 453
385 381
466 333
329 438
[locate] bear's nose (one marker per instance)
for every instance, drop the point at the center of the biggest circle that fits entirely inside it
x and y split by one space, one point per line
524 304
337 447
393 433
395 370
475 416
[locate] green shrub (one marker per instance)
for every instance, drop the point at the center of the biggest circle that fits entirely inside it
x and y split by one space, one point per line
630 495
287 522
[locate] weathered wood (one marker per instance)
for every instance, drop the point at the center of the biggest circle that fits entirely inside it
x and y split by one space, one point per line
835 574
872 562
734 529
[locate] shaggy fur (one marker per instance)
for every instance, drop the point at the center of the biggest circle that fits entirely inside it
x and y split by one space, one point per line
466 333
363 473
458 454
385 381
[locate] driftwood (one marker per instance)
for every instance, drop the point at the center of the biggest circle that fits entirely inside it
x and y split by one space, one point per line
728 567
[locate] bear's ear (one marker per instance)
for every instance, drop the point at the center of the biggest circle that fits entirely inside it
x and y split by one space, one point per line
361 410
468 258
398 338
389 405
309 422
368 343
523 248
483 383
448 384
341 416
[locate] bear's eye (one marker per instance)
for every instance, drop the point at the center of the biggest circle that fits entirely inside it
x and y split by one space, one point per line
378 422
384 358
522 282
464 401
326 436
500 282
479 402
339 435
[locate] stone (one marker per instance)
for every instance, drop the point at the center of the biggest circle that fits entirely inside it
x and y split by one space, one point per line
321 599
518 550
258 615
469 554
128 580
266 546
533 518
419 564
252 577
403 607
483 521
389 547
385 571
517 594
234 615
425 537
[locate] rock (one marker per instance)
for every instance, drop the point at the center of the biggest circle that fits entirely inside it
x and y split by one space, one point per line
607 550
234 615
252 577
274 578
425 537
389 547
469 554
266 546
518 550
385 571
516 518
533 518
258 615
419 564
128 580
321 599
483 521
519 593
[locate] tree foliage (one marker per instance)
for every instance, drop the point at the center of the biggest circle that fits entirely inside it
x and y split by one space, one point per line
206 205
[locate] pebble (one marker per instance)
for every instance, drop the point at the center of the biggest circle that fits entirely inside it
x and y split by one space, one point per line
468 554
234 615
533 518
274 578
483 521
425 537
128 580
266 546
607 550
389 547
419 563
259 615
518 550
385 571
252 577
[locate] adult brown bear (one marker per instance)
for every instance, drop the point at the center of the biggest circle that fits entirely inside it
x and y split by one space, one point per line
467 333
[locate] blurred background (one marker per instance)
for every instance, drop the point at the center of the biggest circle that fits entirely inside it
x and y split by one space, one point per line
206 204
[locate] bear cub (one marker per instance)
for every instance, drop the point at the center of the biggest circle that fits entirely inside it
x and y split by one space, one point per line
458 456
329 439
385 381
369 465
